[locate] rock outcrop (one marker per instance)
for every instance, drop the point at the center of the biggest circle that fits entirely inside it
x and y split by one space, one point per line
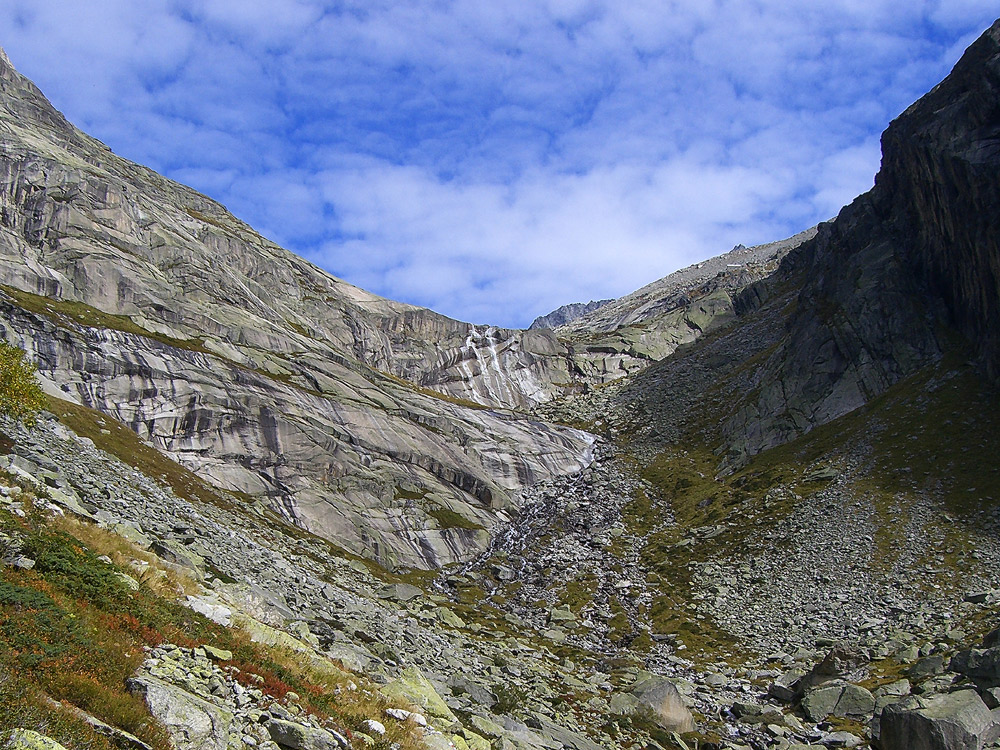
566 314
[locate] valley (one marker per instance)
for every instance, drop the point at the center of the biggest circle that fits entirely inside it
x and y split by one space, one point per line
753 504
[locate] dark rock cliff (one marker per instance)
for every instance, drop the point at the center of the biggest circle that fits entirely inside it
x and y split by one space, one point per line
939 179
881 291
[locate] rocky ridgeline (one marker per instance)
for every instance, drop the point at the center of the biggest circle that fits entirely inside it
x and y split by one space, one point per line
566 313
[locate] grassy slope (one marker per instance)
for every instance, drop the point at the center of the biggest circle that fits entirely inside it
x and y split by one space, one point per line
72 631
934 432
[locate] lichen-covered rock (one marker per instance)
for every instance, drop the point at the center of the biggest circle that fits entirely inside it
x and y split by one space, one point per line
953 721
28 739
412 686
193 722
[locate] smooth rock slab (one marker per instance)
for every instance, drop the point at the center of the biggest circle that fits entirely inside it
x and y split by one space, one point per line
412 686
955 721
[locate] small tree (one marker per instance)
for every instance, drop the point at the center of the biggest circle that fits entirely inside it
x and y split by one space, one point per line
21 397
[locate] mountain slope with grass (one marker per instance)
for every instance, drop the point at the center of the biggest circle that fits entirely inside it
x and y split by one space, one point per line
766 517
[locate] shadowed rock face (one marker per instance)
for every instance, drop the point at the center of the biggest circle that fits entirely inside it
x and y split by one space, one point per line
938 180
875 285
242 361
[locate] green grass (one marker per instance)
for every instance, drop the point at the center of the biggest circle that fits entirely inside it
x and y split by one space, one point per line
62 312
449 519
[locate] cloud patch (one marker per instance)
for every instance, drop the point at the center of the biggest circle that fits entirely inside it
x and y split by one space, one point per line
496 160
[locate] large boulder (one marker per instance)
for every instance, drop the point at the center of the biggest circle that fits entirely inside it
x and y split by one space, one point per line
842 662
288 734
981 664
659 697
838 698
193 723
953 721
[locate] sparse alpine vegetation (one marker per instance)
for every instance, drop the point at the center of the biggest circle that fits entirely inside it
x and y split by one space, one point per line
754 504
21 396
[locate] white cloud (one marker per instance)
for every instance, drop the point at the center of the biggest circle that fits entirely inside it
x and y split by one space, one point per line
496 160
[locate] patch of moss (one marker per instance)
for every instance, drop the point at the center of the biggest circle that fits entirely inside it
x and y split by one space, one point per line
61 312
449 519
579 592
206 219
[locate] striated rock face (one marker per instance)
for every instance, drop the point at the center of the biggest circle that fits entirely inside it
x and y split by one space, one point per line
149 302
145 300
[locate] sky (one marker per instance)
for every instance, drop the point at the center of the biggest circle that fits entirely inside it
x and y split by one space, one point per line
494 160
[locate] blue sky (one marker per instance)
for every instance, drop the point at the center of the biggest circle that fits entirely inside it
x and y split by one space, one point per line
494 160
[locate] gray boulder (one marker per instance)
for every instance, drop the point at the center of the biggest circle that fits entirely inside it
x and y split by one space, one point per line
298 737
193 723
953 721
981 664
838 698
660 697
787 687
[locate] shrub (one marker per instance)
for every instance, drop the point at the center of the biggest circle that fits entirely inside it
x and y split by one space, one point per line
62 560
21 396
510 698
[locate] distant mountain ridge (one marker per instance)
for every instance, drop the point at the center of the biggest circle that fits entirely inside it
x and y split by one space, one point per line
566 313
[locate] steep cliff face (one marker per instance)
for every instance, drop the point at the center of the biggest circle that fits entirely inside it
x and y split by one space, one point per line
938 180
878 288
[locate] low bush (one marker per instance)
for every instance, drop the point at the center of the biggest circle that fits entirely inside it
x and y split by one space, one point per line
21 397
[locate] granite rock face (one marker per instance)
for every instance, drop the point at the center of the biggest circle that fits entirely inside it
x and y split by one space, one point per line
149 302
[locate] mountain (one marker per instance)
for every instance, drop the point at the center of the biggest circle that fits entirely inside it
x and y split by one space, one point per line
566 313
263 374
752 504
